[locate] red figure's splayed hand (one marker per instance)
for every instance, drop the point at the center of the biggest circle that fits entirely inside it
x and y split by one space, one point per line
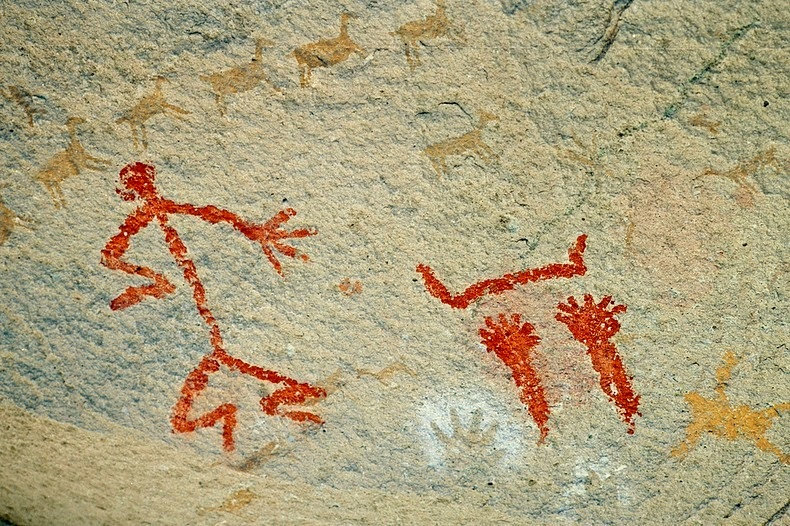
594 324
507 282
513 343
271 238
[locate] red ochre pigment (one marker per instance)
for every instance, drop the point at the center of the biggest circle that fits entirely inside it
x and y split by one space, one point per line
138 182
508 281
593 325
514 343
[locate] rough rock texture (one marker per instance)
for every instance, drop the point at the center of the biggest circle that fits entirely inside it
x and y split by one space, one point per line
478 139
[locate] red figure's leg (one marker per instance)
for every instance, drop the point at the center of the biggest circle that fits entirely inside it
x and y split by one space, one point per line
513 343
194 384
293 394
593 325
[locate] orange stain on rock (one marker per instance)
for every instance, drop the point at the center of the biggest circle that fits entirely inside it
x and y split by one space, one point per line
514 343
718 417
349 288
138 184
593 325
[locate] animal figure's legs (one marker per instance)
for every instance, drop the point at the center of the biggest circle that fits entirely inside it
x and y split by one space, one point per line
271 84
411 55
765 445
57 194
220 100
485 152
439 164
359 50
177 112
52 188
135 141
144 134
305 73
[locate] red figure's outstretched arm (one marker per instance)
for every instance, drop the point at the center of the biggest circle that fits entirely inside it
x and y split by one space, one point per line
593 325
269 234
111 258
507 282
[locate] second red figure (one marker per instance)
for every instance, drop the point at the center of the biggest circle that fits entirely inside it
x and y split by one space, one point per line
514 343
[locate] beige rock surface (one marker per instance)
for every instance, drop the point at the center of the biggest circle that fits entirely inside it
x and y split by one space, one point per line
658 130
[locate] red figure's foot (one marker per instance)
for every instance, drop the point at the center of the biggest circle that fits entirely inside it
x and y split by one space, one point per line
593 325
293 394
226 413
272 237
513 343
133 295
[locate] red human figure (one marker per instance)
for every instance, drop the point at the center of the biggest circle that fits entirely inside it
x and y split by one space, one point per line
137 180
507 282
513 343
593 325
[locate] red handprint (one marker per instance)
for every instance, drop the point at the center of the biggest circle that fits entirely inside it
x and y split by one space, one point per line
513 343
594 324
138 182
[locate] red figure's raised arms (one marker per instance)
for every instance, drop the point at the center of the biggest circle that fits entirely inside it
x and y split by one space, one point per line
593 325
507 282
513 343
138 184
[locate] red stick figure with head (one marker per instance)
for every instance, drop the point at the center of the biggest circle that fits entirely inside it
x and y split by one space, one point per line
138 184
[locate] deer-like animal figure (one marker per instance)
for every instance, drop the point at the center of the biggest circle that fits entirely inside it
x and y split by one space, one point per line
326 52
68 163
8 220
468 143
417 31
24 99
243 77
152 104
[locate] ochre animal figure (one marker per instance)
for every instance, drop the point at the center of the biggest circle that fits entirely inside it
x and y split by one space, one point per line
418 31
718 417
152 104
741 174
68 163
326 52
24 99
240 78
468 143
138 184
8 221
